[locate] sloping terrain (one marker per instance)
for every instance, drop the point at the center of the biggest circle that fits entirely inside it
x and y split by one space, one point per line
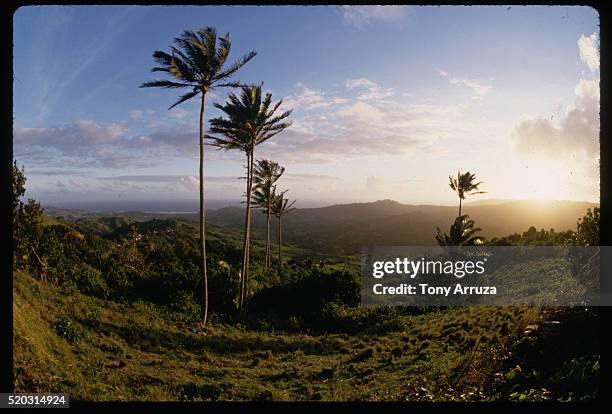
102 350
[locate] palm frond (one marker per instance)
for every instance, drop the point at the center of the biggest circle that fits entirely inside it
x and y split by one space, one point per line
235 66
185 97
159 83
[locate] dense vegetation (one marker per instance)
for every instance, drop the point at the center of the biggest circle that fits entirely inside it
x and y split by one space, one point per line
107 309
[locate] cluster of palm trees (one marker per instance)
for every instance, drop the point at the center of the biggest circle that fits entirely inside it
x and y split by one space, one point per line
271 202
197 62
462 231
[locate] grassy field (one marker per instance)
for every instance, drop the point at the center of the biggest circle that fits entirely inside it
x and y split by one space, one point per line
101 350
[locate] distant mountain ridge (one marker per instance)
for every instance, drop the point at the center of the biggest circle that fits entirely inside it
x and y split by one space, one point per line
348 227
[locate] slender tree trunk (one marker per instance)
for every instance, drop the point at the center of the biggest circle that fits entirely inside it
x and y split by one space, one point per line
247 230
244 238
202 225
280 258
268 256
459 206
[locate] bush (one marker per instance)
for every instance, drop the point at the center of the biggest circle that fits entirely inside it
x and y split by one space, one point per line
184 307
367 319
67 330
301 304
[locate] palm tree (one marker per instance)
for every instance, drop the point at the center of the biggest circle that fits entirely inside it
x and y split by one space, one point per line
250 120
280 207
265 175
461 233
197 62
464 185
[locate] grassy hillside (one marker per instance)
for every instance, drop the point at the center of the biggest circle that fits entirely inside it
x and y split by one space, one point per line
102 350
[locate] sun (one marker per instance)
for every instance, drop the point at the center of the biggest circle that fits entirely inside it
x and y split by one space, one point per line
544 181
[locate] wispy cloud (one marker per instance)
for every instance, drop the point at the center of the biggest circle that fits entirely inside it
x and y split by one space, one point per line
54 83
480 87
362 16
175 181
309 177
370 90
308 99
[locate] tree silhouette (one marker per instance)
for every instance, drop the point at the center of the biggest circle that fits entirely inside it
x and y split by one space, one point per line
249 121
197 62
461 233
464 185
280 207
265 175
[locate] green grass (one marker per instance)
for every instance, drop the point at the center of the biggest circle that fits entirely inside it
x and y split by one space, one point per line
113 351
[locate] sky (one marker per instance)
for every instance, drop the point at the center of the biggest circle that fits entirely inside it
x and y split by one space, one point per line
387 102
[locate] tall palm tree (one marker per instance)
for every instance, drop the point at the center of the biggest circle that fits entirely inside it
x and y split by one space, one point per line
265 175
464 185
250 120
197 62
461 233
280 207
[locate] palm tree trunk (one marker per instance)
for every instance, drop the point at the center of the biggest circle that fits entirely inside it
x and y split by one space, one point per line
202 225
268 257
459 206
247 230
244 240
280 258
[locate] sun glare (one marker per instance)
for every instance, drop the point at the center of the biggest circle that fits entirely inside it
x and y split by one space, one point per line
544 181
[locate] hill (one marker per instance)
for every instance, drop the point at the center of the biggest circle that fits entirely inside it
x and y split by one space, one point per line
345 228
65 341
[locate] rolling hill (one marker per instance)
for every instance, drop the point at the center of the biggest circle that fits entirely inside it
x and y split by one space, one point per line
345 228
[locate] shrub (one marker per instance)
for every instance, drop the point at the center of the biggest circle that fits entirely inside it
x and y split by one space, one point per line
184 307
67 330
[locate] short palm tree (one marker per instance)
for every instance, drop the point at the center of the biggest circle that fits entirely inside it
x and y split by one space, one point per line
265 175
280 207
464 185
461 233
250 120
197 62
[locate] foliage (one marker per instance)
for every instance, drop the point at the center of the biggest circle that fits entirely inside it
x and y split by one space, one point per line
588 228
464 185
66 329
26 219
197 61
248 121
461 233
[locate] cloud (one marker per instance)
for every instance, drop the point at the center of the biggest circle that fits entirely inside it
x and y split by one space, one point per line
480 88
136 114
82 133
168 178
309 177
589 50
363 129
362 16
577 133
361 111
62 74
359 83
85 143
309 99
372 91
167 182
62 172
